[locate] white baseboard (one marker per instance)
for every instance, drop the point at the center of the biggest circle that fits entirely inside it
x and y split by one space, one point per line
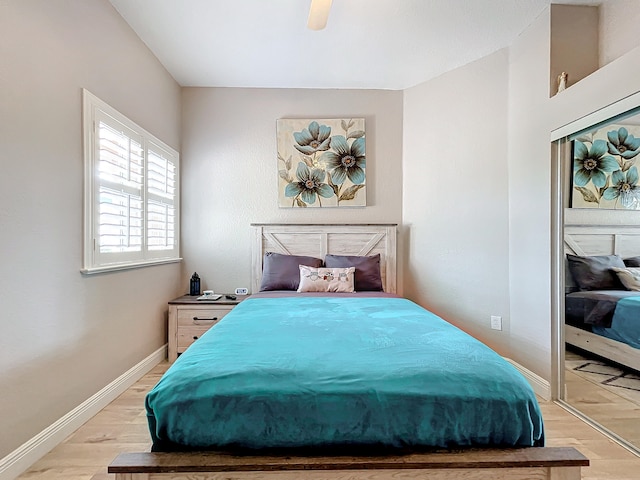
540 386
32 450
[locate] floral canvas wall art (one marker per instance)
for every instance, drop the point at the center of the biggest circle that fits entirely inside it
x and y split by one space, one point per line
605 174
321 163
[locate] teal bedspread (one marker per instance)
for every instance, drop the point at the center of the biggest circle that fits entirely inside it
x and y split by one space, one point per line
340 372
625 325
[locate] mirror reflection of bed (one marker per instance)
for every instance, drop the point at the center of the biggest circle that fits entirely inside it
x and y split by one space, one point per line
601 314
602 328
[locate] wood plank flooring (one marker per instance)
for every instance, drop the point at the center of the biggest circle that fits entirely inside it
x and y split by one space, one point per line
122 427
610 407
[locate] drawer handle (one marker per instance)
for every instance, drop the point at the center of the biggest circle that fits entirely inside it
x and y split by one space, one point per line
196 319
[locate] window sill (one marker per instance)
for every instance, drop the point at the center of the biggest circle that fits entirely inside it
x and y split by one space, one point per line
128 266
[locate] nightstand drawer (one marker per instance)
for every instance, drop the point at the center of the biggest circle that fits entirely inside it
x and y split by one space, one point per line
204 317
188 335
190 318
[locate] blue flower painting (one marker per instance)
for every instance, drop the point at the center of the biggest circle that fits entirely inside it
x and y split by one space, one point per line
604 171
321 163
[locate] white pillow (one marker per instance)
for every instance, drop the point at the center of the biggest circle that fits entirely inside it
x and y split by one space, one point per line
326 279
630 277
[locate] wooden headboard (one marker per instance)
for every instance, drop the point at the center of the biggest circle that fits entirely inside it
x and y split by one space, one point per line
623 240
320 240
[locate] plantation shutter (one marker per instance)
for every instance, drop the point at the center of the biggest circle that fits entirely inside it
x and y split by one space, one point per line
132 193
119 176
161 199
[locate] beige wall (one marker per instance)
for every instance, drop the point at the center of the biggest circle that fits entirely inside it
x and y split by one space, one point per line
618 27
455 196
480 243
585 38
574 40
65 336
530 199
229 170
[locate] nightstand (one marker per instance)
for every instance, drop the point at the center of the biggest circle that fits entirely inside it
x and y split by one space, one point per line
190 318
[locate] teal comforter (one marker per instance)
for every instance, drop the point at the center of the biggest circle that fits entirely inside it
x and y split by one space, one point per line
625 326
340 372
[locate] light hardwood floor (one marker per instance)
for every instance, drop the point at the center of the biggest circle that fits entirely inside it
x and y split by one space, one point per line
122 427
611 408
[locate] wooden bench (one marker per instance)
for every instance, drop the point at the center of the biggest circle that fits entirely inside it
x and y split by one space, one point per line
549 463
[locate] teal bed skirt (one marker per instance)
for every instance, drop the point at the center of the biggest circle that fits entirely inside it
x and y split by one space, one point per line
340 373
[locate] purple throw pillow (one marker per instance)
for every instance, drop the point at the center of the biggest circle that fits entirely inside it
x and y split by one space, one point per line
367 270
282 272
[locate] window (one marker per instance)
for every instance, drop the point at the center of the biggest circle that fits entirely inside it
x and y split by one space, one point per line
131 193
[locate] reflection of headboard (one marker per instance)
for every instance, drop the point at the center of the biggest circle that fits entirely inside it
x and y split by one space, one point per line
623 240
320 240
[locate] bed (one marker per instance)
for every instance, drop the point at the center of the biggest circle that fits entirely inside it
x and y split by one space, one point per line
601 314
327 376
332 372
612 314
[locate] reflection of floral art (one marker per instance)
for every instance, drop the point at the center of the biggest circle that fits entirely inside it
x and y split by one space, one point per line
604 170
321 163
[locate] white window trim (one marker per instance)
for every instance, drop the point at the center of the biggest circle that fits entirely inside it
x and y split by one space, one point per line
93 106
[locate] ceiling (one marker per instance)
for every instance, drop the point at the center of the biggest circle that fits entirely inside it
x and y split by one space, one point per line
374 44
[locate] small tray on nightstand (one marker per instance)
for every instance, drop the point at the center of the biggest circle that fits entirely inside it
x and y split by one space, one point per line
223 300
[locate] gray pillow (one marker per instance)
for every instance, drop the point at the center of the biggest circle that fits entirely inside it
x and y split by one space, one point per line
594 272
282 272
632 262
367 270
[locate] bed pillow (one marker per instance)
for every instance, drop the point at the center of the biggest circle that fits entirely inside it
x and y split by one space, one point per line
630 277
281 272
594 272
632 262
367 276
326 279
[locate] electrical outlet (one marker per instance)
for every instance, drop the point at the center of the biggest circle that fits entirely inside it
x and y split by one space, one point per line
242 291
496 322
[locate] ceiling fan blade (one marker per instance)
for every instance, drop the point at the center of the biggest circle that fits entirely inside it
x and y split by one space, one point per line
318 14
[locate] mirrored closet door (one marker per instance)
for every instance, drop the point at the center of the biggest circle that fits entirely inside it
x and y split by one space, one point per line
598 272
